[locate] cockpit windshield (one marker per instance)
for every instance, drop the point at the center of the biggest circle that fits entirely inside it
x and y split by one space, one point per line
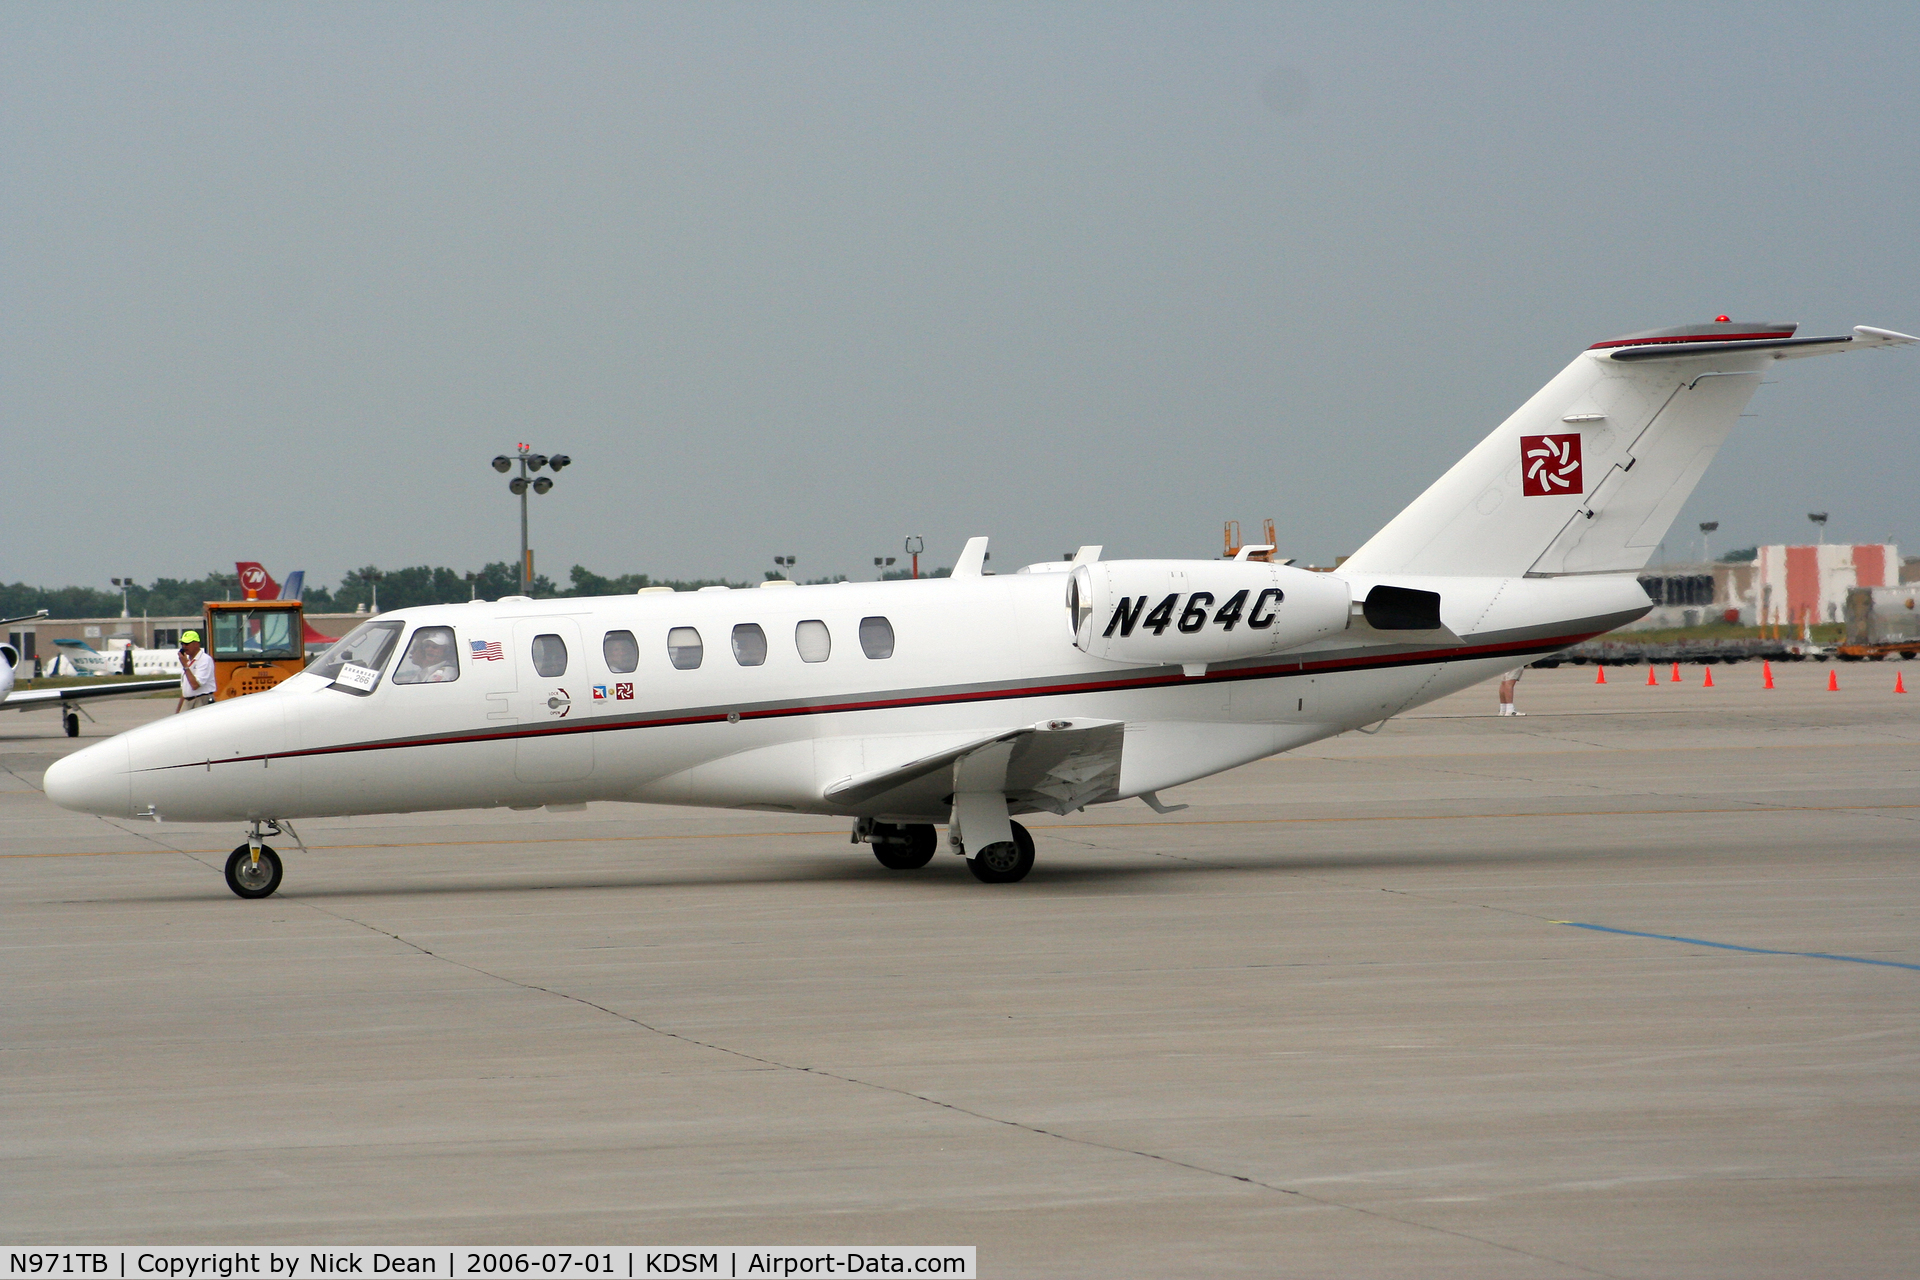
367 645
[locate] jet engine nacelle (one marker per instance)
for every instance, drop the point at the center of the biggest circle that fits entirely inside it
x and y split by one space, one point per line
1191 611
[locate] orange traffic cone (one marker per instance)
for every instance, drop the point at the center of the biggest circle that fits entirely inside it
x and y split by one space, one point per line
1899 682
1676 673
1600 676
1708 682
1652 679
1833 682
1766 669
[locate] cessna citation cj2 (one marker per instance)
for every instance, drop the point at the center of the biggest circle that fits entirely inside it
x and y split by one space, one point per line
972 699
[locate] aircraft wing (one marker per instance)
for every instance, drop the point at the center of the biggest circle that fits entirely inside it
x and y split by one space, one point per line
31 699
1056 765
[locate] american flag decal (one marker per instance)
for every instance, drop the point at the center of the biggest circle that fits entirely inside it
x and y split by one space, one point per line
486 650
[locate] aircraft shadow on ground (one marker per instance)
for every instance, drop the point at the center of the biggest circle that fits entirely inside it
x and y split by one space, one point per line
942 876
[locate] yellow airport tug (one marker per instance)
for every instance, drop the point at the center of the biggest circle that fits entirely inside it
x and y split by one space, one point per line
255 644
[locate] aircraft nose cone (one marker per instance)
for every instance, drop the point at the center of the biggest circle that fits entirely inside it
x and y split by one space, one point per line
95 779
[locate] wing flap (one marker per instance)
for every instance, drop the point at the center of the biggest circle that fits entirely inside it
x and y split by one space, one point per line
1057 766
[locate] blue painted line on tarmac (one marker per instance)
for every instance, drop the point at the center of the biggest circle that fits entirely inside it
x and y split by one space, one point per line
1728 946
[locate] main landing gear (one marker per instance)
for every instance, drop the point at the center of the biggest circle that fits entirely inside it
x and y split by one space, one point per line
910 846
1005 862
253 869
900 847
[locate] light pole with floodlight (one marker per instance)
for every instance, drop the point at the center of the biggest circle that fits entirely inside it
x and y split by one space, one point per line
123 584
1706 527
529 461
1819 519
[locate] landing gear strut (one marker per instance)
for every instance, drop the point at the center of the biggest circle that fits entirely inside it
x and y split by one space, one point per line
1005 862
253 869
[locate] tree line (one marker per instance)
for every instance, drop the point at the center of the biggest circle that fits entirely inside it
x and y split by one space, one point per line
397 589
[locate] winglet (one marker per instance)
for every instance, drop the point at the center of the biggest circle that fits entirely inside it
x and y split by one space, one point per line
1868 336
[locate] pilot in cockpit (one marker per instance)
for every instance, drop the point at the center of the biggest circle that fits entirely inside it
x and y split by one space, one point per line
429 658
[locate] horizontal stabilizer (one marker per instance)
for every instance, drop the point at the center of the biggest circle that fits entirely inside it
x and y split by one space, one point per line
1779 348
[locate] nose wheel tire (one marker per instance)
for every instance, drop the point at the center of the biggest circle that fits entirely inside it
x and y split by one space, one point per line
1004 863
252 879
73 725
904 848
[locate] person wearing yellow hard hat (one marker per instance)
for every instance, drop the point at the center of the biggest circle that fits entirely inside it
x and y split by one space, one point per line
196 674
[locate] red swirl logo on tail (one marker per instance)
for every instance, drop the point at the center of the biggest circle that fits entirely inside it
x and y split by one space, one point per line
1550 465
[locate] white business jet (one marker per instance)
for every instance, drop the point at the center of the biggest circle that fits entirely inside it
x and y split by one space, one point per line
972 699
67 698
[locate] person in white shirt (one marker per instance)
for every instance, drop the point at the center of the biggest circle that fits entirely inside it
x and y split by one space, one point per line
196 674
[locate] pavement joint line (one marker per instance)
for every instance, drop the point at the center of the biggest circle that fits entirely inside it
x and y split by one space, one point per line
1753 808
1730 946
955 1107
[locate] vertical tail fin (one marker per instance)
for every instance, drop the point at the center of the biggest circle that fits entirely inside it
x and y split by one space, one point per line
1588 475
255 579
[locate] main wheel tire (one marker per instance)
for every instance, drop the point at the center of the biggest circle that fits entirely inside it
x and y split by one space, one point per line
904 848
250 879
73 725
1004 863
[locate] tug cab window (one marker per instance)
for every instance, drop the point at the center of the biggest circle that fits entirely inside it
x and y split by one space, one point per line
255 635
367 647
749 644
550 655
876 637
813 641
430 658
622 652
684 648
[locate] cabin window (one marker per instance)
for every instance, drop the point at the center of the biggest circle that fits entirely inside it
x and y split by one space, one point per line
430 659
684 648
367 645
876 637
550 655
749 644
622 651
812 640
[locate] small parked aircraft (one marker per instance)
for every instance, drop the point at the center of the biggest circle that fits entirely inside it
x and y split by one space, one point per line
972 699
66 698
78 658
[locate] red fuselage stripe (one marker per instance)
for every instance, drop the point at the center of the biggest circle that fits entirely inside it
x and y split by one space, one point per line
938 699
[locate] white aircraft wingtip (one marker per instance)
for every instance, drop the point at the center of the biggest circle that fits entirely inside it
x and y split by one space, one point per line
1881 337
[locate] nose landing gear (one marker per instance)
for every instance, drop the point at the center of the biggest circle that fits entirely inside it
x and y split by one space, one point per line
253 869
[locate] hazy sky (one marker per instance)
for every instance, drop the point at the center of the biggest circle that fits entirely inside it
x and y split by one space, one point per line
277 281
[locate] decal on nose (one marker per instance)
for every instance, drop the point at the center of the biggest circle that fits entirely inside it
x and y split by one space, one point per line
95 779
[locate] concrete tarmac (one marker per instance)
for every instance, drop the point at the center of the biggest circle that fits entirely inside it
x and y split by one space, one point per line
1626 987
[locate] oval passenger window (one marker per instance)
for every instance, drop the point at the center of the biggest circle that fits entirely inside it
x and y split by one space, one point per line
684 648
812 640
622 652
749 644
550 655
876 637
